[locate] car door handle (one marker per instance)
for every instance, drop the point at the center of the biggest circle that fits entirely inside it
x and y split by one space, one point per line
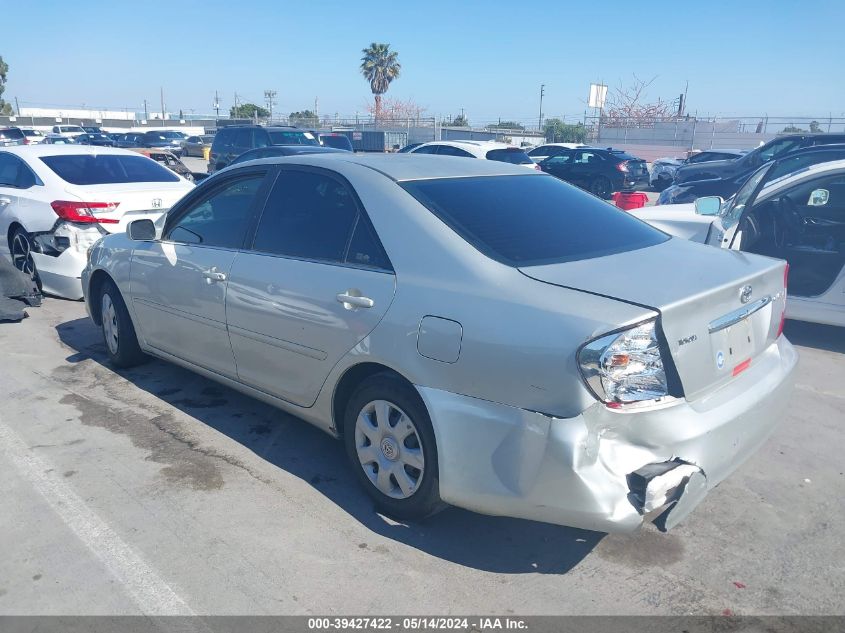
354 301
212 275
4 202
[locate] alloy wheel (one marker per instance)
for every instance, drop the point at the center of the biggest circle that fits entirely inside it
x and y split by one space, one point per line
22 253
389 449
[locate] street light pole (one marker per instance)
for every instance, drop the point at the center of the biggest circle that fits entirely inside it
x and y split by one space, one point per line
542 92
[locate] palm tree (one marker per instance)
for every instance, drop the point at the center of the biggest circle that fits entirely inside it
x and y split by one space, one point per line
380 66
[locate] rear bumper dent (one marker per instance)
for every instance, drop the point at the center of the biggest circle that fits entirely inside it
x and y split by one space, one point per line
605 470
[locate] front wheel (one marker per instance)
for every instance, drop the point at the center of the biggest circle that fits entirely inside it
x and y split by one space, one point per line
118 332
390 443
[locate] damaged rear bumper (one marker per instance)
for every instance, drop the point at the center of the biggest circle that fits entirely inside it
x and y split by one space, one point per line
606 469
61 256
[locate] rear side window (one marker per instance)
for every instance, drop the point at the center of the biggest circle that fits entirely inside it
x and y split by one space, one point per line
426 149
532 220
313 216
448 150
337 141
102 169
513 156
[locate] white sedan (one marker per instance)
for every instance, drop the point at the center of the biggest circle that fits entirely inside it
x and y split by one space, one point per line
489 150
799 217
57 200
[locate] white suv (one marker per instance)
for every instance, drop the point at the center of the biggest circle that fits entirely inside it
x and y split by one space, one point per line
70 131
489 150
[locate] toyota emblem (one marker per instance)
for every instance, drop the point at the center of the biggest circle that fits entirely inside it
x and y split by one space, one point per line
745 294
156 203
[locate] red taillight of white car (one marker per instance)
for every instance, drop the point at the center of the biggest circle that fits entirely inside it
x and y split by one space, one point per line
783 314
83 212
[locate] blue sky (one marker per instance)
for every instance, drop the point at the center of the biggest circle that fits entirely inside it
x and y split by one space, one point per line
740 58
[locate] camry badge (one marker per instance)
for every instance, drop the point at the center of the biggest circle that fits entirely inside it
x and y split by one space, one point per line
745 294
157 205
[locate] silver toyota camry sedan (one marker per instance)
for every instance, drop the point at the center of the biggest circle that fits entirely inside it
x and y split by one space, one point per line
478 334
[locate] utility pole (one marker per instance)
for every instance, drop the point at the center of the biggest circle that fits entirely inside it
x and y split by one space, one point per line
236 105
316 115
216 107
269 101
18 108
162 103
146 112
542 92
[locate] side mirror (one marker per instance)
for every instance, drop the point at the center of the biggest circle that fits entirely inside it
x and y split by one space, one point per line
708 205
141 230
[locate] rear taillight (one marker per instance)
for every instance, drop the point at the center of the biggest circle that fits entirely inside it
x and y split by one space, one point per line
623 166
785 284
83 211
26 141
537 167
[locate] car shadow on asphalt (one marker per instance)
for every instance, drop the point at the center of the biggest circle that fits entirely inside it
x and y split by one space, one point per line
823 337
494 544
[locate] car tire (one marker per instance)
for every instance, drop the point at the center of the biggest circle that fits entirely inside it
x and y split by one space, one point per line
20 248
387 429
600 186
118 332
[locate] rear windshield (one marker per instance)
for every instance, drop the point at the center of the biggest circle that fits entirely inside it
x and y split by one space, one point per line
11 133
515 156
32 133
89 169
292 137
532 220
338 142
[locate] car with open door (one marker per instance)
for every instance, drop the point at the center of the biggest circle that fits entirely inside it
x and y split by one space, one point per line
798 216
477 333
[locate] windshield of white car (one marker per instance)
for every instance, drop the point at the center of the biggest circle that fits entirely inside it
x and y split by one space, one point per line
532 220
731 211
102 169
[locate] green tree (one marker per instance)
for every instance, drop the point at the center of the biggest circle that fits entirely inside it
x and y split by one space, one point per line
814 127
458 121
559 132
380 66
506 125
5 108
792 129
248 111
304 115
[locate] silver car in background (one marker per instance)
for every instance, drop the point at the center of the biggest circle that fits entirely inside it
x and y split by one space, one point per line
478 333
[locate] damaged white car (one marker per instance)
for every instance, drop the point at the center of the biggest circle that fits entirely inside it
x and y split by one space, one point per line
57 200
799 217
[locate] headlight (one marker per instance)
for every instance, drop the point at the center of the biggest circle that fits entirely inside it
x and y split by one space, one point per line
625 366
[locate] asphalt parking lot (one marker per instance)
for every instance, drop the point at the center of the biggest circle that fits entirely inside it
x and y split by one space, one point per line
156 491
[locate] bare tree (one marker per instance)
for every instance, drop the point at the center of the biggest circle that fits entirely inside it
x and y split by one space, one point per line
629 105
396 109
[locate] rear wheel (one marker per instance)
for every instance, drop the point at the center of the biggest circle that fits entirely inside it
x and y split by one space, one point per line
118 331
20 246
390 443
601 187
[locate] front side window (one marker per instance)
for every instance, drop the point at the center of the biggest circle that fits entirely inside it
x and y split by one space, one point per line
448 150
221 218
310 215
531 220
426 149
586 158
560 159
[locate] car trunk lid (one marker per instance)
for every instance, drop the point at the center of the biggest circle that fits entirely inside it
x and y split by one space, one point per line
136 200
718 309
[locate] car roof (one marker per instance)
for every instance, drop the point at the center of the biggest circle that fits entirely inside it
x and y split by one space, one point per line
402 167
488 145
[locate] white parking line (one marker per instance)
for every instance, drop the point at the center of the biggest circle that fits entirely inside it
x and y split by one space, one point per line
146 588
